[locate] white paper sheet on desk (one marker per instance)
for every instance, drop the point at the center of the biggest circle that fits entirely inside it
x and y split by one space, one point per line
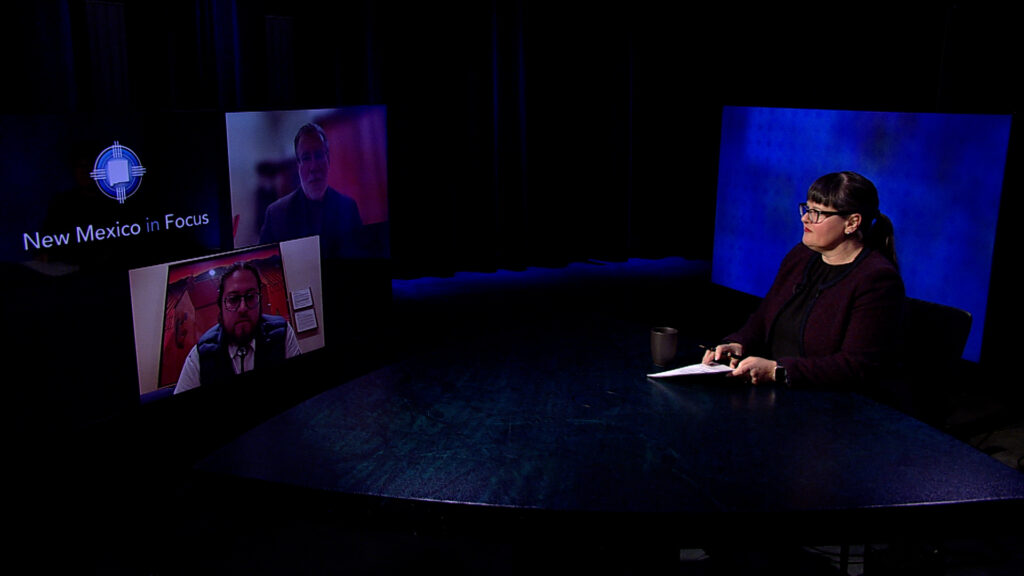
692 370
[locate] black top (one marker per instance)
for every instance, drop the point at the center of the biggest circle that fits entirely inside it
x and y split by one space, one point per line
786 339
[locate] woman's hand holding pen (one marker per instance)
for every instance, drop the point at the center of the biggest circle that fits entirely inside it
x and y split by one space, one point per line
732 351
754 368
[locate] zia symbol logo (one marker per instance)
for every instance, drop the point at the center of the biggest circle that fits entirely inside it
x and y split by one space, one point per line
118 172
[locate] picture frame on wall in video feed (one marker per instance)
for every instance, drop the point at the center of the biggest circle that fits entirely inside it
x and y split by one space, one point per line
199 322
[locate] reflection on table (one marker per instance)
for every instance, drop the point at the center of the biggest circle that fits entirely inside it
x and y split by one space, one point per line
562 418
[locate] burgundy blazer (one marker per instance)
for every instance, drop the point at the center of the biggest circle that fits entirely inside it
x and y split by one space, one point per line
852 335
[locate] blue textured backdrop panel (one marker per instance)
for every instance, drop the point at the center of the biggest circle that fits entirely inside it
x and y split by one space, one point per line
939 177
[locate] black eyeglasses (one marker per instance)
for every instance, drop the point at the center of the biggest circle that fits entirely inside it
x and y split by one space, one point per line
233 301
818 215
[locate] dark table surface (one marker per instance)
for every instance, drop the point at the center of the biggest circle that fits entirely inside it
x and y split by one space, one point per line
562 417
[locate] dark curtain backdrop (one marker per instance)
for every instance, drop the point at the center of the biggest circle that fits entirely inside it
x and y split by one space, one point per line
520 133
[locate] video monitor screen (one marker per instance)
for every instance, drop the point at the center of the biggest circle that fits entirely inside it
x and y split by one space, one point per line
87 197
939 178
297 173
267 297
108 216
111 190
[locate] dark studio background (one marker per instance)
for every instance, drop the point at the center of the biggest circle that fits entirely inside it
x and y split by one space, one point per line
520 134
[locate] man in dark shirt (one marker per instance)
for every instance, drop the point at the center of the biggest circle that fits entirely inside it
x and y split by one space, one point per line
315 208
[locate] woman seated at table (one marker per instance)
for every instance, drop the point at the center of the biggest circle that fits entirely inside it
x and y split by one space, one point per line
833 315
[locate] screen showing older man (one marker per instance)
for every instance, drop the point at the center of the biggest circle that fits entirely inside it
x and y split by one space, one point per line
311 173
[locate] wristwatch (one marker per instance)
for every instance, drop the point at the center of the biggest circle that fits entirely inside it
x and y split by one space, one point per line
780 375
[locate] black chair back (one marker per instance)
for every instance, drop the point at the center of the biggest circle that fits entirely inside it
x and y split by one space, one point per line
939 335
940 329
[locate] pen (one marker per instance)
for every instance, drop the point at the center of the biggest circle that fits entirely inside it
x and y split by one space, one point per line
727 353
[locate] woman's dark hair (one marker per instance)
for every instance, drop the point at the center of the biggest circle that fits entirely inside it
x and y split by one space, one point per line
851 193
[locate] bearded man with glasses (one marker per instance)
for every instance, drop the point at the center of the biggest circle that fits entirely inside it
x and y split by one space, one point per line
243 339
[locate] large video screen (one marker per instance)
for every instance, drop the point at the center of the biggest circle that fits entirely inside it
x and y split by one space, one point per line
298 173
939 178
87 196
94 201
112 190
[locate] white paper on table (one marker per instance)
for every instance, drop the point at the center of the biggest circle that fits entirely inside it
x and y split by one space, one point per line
693 369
